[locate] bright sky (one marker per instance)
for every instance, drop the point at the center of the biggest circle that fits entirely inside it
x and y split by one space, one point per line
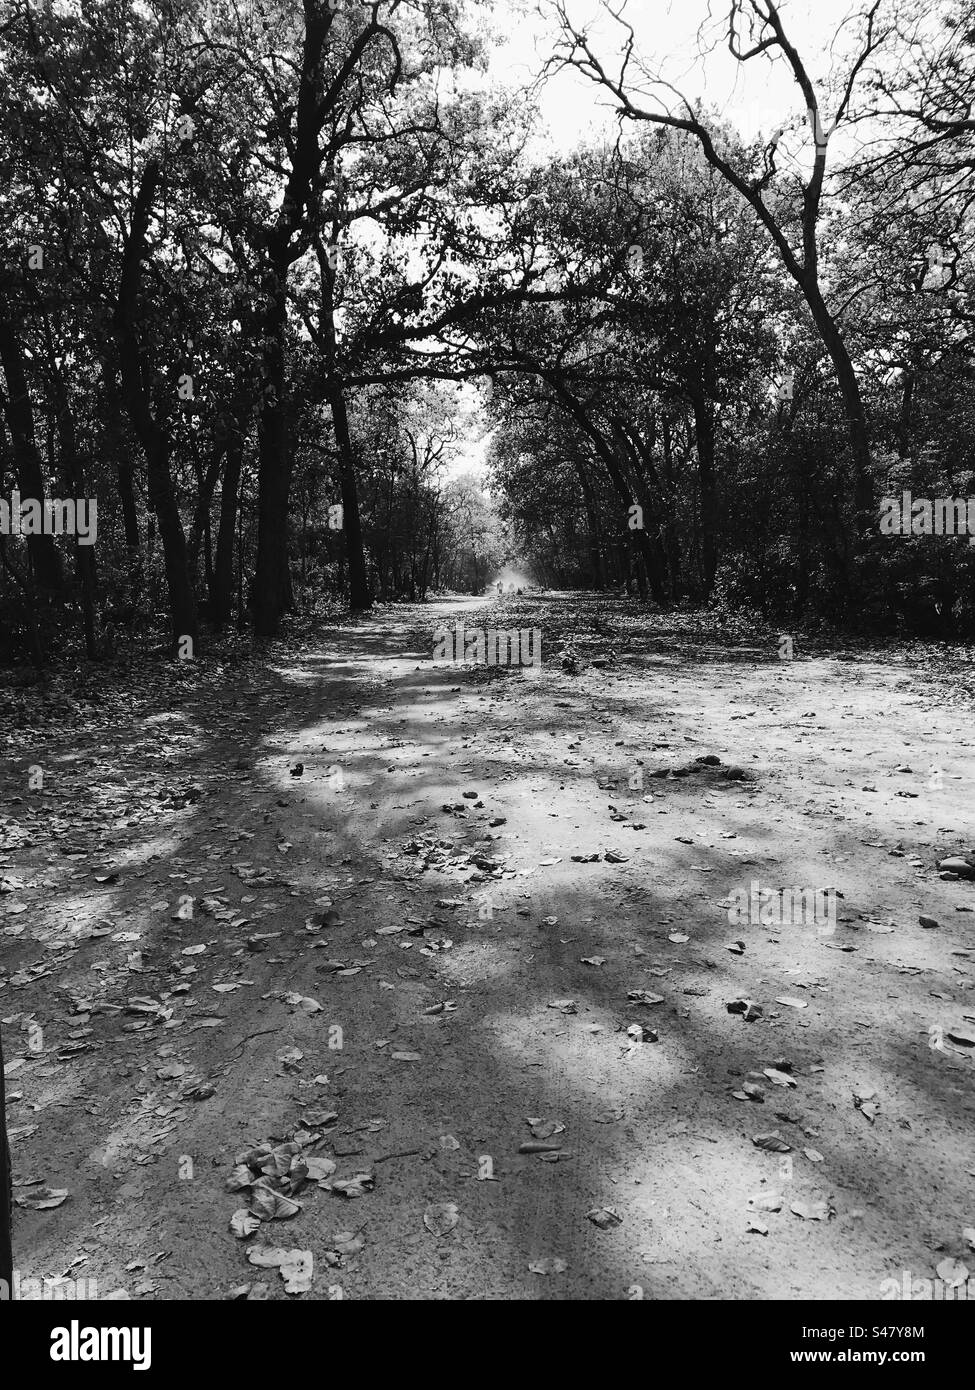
756 96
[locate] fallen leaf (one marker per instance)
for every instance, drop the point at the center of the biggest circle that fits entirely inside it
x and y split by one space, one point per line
952 1272
270 1205
604 1217
766 1201
772 1141
294 1266
240 1178
544 1129
243 1224
356 1186
810 1211
347 1243
319 1169
441 1217
43 1198
780 1078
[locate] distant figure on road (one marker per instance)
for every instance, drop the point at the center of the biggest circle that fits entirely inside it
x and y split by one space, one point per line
500 588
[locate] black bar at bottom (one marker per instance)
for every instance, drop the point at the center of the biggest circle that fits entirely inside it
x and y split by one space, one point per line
66 1339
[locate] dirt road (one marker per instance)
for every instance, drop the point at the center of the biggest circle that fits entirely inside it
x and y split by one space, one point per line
473 975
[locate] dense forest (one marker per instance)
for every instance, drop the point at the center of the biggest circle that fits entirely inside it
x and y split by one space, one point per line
271 268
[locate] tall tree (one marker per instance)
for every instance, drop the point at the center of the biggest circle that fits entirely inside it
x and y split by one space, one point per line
788 208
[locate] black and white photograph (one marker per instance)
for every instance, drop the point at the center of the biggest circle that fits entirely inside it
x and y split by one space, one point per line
487 670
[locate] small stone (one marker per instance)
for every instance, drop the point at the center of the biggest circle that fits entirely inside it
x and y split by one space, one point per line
956 865
749 1010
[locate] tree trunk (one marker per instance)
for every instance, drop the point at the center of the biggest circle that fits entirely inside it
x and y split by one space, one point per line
74 474
802 568
648 492
360 597
154 441
704 435
271 593
856 418
222 593
115 433
592 527
27 590
641 576
182 601
44 555
130 522
672 551
199 530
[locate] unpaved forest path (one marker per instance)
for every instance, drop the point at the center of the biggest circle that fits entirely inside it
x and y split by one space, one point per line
196 801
